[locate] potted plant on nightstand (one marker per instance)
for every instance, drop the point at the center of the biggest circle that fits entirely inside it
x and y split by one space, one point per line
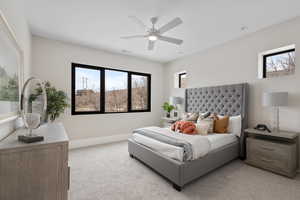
168 108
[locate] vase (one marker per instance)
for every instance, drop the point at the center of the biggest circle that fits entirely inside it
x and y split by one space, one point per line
168 115
45 118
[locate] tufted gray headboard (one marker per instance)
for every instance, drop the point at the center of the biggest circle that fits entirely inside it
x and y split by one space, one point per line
224 100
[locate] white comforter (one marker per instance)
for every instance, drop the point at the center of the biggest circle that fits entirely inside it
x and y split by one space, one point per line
200 144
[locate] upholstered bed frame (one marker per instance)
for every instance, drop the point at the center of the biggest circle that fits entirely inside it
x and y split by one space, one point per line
225 100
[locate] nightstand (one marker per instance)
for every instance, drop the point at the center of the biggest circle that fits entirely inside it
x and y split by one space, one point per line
168 121
276 152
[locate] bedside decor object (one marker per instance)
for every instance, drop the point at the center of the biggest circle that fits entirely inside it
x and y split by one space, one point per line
168 108
168 121
176 101
276 152
262 127
276 100
33 108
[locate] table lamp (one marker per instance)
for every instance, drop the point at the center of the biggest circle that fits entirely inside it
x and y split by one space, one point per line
275 100
176 101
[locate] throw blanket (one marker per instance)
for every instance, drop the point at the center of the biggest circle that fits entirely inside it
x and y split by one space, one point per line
194 146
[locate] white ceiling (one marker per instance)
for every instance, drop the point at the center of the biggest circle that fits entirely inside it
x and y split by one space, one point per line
206 23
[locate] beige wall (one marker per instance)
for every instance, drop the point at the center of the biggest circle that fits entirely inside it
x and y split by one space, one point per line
14 13
236 62
52 62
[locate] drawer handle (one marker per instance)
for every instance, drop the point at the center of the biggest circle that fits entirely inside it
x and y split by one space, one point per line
266 160
69 177
268 149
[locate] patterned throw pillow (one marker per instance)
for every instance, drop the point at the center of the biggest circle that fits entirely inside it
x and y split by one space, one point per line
202 127
205 120
203 116
192 117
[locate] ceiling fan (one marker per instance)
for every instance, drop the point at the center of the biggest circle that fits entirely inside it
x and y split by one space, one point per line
153 34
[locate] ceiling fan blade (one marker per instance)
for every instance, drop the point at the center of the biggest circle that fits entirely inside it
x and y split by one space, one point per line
150 45
175 22
133 36
139 22
171 40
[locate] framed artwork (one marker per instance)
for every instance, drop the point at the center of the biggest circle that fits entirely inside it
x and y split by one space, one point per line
11 72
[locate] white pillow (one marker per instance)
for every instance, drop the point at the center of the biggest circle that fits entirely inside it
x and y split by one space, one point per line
235 125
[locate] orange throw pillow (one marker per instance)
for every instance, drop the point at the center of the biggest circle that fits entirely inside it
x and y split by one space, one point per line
184 127
221 124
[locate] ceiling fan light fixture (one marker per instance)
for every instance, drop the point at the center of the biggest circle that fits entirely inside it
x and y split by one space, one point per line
153 34
152 37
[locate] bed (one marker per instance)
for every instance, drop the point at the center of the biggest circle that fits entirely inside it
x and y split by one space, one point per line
225 100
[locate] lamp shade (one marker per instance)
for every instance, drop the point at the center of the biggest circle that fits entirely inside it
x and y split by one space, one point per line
275 99
176 100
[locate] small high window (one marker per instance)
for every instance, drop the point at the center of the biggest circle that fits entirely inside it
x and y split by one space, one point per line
182 79
278 62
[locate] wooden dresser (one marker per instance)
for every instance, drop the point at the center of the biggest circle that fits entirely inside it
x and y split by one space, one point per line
36 171
276 152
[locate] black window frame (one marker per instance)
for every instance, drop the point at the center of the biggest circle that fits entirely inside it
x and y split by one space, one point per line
179 78
270 55
102 90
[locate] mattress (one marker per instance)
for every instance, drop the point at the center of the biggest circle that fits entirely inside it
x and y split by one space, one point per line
216 141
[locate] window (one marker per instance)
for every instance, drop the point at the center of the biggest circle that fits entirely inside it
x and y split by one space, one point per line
98 90
279 63
116 91
87 90
182 78
139 97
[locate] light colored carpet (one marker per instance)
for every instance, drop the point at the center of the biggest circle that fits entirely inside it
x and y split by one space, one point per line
108 173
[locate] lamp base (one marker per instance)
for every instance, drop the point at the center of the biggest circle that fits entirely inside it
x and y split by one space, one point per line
30 138
276 120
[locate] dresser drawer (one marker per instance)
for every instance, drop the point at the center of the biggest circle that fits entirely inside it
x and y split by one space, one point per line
268 149
276 152
273 156
276 165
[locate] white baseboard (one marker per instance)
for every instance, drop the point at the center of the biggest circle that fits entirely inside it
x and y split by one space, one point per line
74 144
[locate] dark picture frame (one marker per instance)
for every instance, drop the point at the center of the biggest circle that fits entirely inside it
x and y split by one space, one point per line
102 90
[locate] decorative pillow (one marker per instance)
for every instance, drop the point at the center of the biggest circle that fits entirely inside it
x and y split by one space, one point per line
190 117
203 116
189 128
184 127
202 127
176 126
210 123
221 124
